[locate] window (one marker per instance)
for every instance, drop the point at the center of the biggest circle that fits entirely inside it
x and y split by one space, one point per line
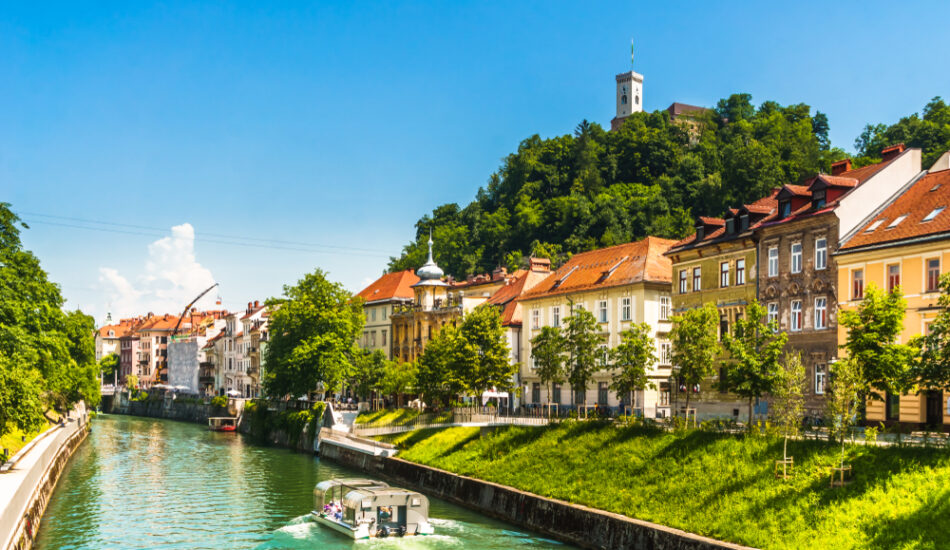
773 261
740 272
821 313
697 275
556 391
382 311
666 306
625 309
874 226
730 226
896 222
556 316
604 354
933 275
602 311
796 257
818 198
785 208
821 253
724 274
773 314
536 392
857 284
602 393
893 277
723 326
819 379
933 214
372 340
535 318
743 222
683 283
666 353
892 406
383 339
796 315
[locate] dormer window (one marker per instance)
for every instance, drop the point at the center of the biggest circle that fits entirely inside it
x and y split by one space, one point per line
730 226
818 198
743 222
700 233
785 209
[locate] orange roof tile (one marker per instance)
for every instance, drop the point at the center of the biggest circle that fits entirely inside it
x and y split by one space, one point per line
920 199
390 286
506 297
617 265
765 205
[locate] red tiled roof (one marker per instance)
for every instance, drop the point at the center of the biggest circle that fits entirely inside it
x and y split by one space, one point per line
518 283
765 205
389 286
617 265
252 312
839 181
712 221
920 199
800 190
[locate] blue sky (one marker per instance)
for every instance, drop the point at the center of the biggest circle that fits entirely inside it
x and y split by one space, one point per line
338 125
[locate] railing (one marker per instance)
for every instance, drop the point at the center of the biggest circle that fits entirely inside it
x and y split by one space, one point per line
476 416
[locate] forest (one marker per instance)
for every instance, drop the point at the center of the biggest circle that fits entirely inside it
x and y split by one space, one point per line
594 188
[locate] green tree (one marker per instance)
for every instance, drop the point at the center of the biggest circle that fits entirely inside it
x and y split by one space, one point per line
755 348
108 365
21 388
482 356
874 329
846 399
930 131
695 346
547 351
582 336
398 379
369 370
933 371
313 329
436 374
633 357
788 408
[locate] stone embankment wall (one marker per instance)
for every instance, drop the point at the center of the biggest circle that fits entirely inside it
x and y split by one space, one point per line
580 525
28 486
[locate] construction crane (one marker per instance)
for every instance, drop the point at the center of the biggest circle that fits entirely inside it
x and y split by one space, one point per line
188 307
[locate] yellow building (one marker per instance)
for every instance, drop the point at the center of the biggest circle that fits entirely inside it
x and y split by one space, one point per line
905 244
621 285
380 299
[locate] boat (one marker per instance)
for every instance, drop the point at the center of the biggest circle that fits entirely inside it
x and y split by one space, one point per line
366 508
222 424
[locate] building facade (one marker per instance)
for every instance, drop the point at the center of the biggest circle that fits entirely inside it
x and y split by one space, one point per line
906 244
380 300
621 285
798 278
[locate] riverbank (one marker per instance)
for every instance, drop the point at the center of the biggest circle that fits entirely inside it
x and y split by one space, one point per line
29 478
718 485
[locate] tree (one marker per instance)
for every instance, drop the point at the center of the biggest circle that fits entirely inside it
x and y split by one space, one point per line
21 388
929 130
633 357
754 347
872 343
108 366
846 399
788 408
397 379
313 329
436 374
482 355
695 346
547 351
933 371
132 382
582 337
369 370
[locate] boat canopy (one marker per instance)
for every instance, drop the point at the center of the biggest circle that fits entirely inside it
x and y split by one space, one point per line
349 482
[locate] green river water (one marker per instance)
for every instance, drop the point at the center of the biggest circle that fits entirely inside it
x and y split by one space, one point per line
146 483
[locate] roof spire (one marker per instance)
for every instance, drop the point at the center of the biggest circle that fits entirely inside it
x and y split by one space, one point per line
430 247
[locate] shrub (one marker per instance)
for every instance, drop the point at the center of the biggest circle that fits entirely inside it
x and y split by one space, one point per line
219 401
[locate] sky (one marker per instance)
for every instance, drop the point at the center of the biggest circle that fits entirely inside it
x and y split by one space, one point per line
155 149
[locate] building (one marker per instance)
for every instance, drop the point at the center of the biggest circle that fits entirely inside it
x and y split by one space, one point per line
107 337
506 300
152 356
629 97
128 356
231 354
380 299
904 243
436 302
798 280
620 285
718 264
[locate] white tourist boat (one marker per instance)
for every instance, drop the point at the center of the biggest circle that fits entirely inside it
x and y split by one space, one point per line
366 508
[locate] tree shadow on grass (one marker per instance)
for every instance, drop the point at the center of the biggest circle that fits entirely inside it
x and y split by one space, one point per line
925 526
573 430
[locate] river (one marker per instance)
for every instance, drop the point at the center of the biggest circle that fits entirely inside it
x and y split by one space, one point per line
147 483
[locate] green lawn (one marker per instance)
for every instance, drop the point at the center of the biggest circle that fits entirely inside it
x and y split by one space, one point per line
713 484
399 417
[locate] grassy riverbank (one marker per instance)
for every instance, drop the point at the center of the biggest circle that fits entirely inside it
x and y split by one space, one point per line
400 417
713 484
15 439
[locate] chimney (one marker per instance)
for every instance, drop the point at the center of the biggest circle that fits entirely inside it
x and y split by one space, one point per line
499 273
469 277
889 153
257 304
249 305
840 167
539 265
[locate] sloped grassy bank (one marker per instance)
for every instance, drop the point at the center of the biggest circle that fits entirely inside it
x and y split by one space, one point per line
718 485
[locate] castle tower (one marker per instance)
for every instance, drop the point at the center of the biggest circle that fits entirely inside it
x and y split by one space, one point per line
629 95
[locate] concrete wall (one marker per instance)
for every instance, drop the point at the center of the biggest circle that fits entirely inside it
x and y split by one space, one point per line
183 364
585 527
26 488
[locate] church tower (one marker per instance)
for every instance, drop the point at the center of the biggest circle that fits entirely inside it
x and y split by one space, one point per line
629 95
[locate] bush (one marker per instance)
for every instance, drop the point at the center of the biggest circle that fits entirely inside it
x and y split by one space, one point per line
219 401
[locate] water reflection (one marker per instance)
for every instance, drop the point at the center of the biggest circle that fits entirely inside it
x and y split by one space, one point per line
143 483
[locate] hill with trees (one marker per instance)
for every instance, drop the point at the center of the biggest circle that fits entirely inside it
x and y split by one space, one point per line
557 196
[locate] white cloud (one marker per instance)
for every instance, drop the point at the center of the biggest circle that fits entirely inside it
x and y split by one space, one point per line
172 278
